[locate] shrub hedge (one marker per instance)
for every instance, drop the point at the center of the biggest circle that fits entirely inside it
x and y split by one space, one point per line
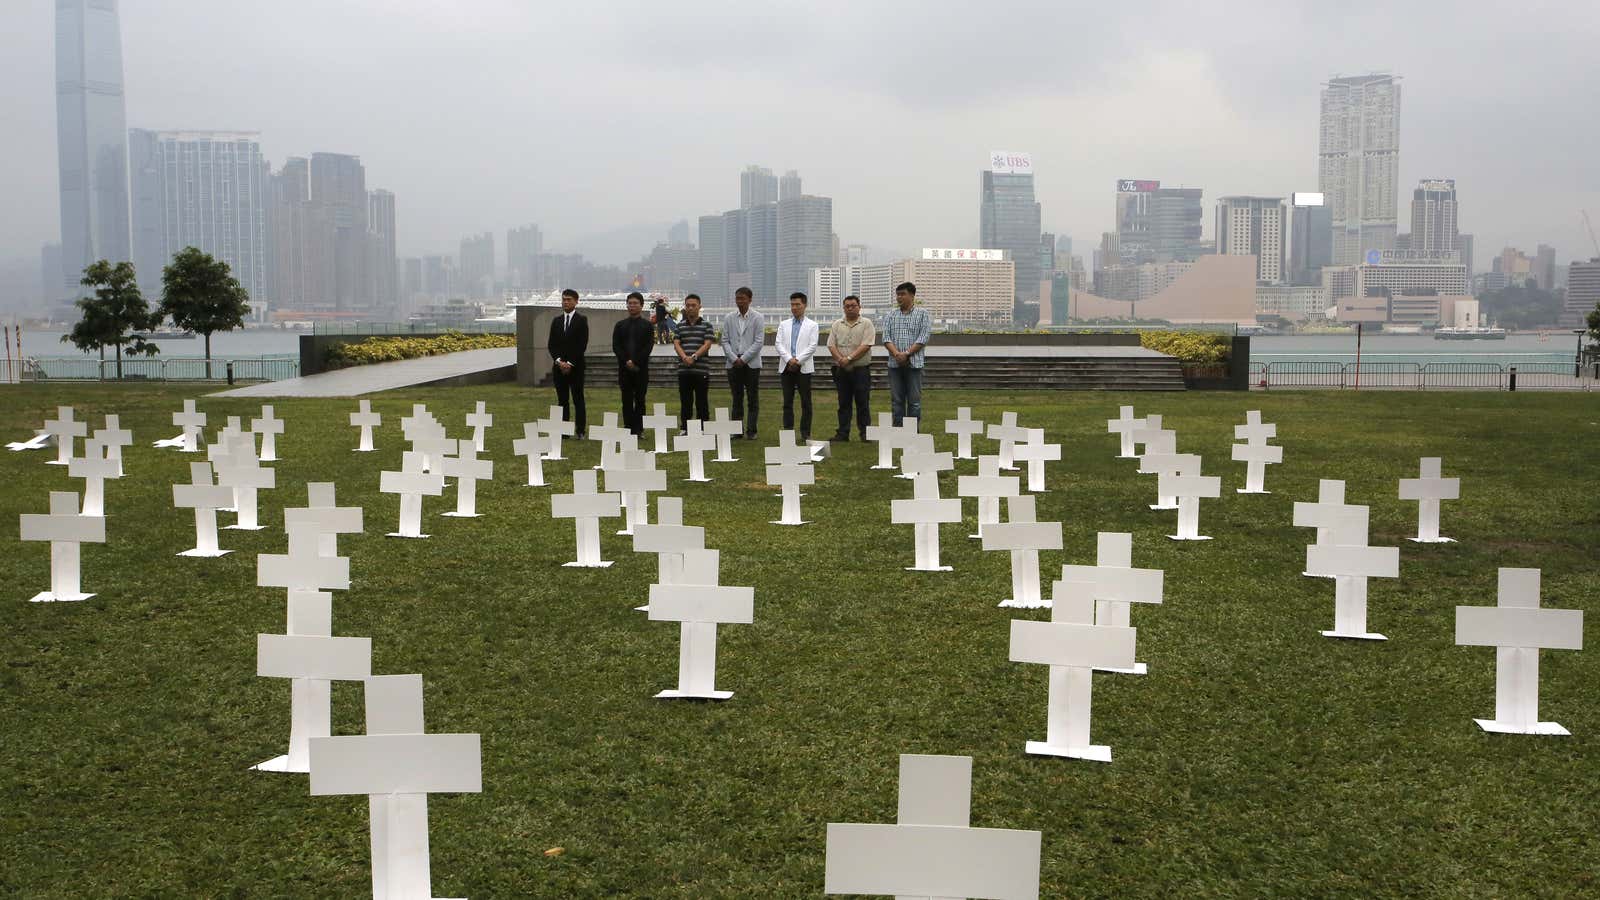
1190 347
389 349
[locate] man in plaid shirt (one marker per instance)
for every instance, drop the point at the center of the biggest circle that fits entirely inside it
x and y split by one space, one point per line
905 334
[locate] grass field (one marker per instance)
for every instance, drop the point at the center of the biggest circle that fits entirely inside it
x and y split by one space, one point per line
1256 758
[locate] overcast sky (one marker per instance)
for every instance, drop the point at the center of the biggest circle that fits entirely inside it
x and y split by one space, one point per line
588 117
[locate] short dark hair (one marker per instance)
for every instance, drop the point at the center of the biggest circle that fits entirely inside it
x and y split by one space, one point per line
849 297
906 286
691 297
797 295
744 292
636 296
569 292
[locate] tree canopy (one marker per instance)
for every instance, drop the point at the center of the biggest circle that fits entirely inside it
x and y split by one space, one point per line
201 294
115 314
1521 306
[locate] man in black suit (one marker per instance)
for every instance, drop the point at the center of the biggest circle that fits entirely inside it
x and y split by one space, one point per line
569 340
631 342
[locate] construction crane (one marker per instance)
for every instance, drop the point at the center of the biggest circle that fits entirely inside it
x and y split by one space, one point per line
1588 225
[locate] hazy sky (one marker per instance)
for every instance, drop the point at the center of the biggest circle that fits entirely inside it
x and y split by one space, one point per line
585 117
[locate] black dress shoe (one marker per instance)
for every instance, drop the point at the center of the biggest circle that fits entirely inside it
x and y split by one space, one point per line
841 436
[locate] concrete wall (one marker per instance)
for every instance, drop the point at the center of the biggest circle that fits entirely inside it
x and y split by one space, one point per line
533 336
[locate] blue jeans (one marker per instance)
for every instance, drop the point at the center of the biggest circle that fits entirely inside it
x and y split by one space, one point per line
905 393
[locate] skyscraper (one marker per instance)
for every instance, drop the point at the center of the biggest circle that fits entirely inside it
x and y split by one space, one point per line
761 252
678 232
805 241
713 266
477 265
757 186
1433 217
1358 166
383 261
1157 224
1583 292
1311 239
523 246
339 183
91 136
1253 226
789 185
202 189
1009 218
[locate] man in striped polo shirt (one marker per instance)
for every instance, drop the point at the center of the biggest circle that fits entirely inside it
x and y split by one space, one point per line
693 341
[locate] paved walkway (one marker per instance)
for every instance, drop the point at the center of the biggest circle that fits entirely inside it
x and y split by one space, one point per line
359 380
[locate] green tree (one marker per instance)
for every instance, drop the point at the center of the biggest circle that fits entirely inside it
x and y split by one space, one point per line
1593 320
115 314
1521 307
201 295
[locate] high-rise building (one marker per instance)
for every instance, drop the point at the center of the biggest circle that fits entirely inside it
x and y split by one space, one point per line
805 241
1009 219
1583 292
91 137
382 252
339 184
789 185
523 246
1157 224
713 265
202 189
1047 254
1310 238
477 265
1253 226
1466 243
964 285
761 253
1544 267
678 232
1063 252
757 187
1434 222
1358 165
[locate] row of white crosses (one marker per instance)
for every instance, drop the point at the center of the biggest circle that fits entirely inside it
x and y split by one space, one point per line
239 469
1255 452
1179 482
926 510
1341 553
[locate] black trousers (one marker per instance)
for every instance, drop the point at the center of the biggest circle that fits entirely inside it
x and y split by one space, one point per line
634 383
792 382
744 383
855 388
569 392
694 397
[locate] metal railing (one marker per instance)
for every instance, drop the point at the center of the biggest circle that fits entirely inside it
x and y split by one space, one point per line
401 328
80 368
1536 376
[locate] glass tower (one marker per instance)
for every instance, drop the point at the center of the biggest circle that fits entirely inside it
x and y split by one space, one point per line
91 136
1009 219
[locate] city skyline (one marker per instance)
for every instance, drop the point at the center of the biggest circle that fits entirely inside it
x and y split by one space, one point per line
1237 134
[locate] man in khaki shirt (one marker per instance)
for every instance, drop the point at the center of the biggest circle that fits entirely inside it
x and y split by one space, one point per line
850 343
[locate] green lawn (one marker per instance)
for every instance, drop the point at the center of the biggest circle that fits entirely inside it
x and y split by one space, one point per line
1257 758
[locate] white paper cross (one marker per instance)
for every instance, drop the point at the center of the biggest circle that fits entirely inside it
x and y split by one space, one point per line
1348 560
635 476
963 426
699 603
365 419
723 428
695 443
1161 456
1036 452
479 420
668 539
659 423
925 512
1518 629
555 427
790 477
911 443
114 437
1329 508
989 487
94 467
320 522
1073 646
882 434
241 471
1024 536
1114 584
269 427
411 483
467 469
1008 433
191 421
931 850
205 498
586 506
64 429
397 766
1428 490
312 658
1122 426
1188 489
1145 429
535 447
65 529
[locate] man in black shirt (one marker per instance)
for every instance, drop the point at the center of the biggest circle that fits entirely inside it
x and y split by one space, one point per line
569 340
631 342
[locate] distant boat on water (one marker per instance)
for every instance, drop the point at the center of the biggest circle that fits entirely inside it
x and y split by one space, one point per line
1469 334
167 335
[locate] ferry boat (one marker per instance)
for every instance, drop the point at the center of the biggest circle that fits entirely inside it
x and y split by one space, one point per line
1469 334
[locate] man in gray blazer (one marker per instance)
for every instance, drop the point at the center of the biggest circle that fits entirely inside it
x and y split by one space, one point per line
742 335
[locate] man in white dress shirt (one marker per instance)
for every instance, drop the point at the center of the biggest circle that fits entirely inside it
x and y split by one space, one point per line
796 344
